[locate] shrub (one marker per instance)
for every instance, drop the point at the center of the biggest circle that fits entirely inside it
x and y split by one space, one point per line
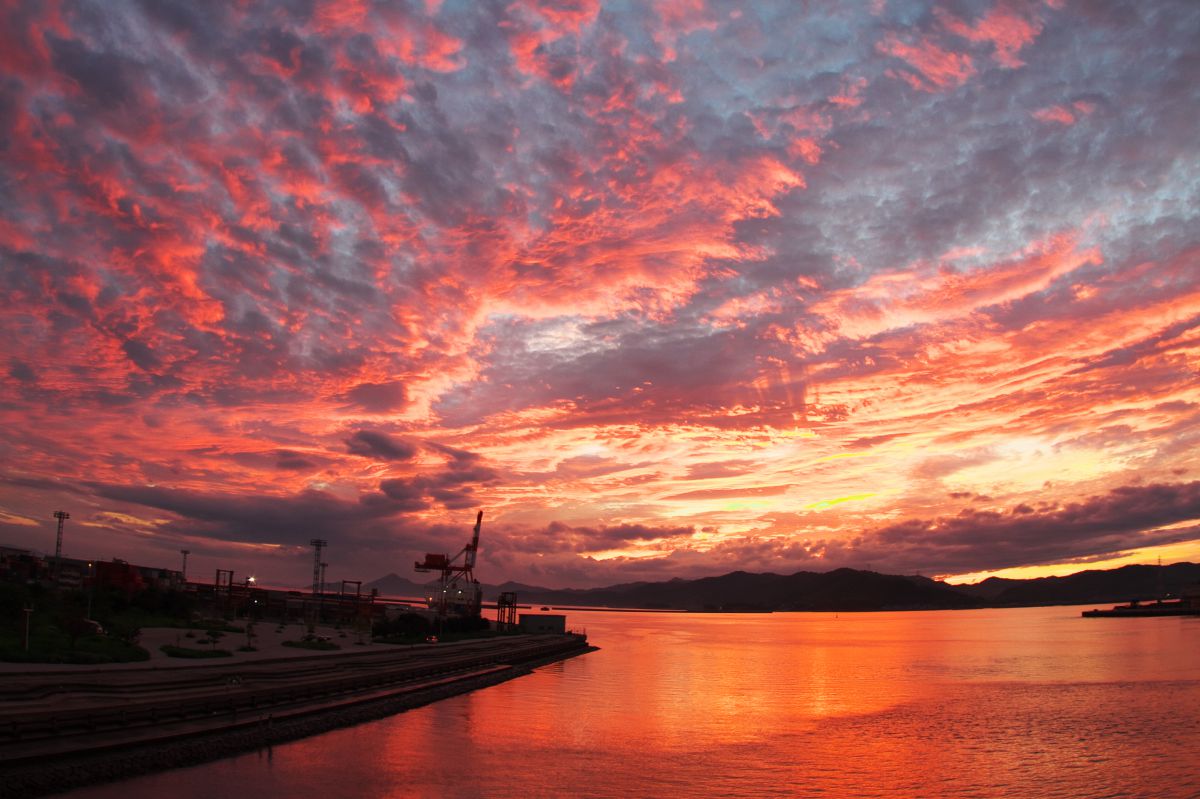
406 625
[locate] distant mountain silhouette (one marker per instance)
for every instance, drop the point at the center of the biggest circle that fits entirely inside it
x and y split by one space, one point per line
396 586
1096 585
843 590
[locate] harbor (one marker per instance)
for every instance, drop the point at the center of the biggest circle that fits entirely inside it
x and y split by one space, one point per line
62 728
178 699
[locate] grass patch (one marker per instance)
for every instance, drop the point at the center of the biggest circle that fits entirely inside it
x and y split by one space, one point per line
49 647
172 651
323 646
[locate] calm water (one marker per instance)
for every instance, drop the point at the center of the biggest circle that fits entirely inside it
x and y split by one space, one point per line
1033 702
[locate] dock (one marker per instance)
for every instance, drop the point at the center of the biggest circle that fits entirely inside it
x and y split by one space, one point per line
1137 609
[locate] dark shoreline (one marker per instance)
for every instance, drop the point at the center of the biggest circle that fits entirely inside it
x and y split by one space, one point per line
46 776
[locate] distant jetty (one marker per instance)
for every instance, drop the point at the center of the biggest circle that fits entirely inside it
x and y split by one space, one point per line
1187 605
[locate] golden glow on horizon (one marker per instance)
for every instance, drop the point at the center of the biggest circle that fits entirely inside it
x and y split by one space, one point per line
13 518
1186 552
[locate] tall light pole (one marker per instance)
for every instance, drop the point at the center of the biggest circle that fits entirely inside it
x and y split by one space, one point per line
317 544
27 609
62 516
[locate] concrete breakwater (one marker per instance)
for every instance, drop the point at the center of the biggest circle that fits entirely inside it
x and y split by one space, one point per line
62 729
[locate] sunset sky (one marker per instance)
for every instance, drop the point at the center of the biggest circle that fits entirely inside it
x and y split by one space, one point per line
667 289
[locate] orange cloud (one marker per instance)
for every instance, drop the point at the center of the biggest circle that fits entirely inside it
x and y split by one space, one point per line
930 291
1006 26
850 93
679 18
933 68
1065 115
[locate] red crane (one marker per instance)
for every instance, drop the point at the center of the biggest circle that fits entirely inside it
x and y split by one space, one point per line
457 589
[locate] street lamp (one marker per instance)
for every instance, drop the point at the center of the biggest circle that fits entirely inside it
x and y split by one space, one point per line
91 587
27 608
250 580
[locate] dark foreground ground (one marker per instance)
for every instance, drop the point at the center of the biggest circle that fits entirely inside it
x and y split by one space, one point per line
60 729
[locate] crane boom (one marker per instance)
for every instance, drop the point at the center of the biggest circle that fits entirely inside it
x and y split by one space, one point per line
474 546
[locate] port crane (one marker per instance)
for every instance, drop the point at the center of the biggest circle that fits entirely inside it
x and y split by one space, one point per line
457 590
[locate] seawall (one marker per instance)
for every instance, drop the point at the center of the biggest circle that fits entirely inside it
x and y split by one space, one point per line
61 730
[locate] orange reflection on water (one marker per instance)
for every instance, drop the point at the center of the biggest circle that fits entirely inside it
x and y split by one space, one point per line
1024 702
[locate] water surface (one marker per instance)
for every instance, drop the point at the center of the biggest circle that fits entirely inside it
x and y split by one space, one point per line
1034 702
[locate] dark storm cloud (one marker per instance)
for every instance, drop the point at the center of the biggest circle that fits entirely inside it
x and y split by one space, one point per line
1120 520
558 537
381 446
141 354
106 78
19 370
459 458
378 397
453 487
667 373
288 520
293 461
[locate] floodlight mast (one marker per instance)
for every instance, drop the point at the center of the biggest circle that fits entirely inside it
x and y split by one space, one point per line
62 516
317 544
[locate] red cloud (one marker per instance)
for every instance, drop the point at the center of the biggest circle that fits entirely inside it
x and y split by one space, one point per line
678 19
931 291
933 68
1007 26
1065 115
257 253
533 26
